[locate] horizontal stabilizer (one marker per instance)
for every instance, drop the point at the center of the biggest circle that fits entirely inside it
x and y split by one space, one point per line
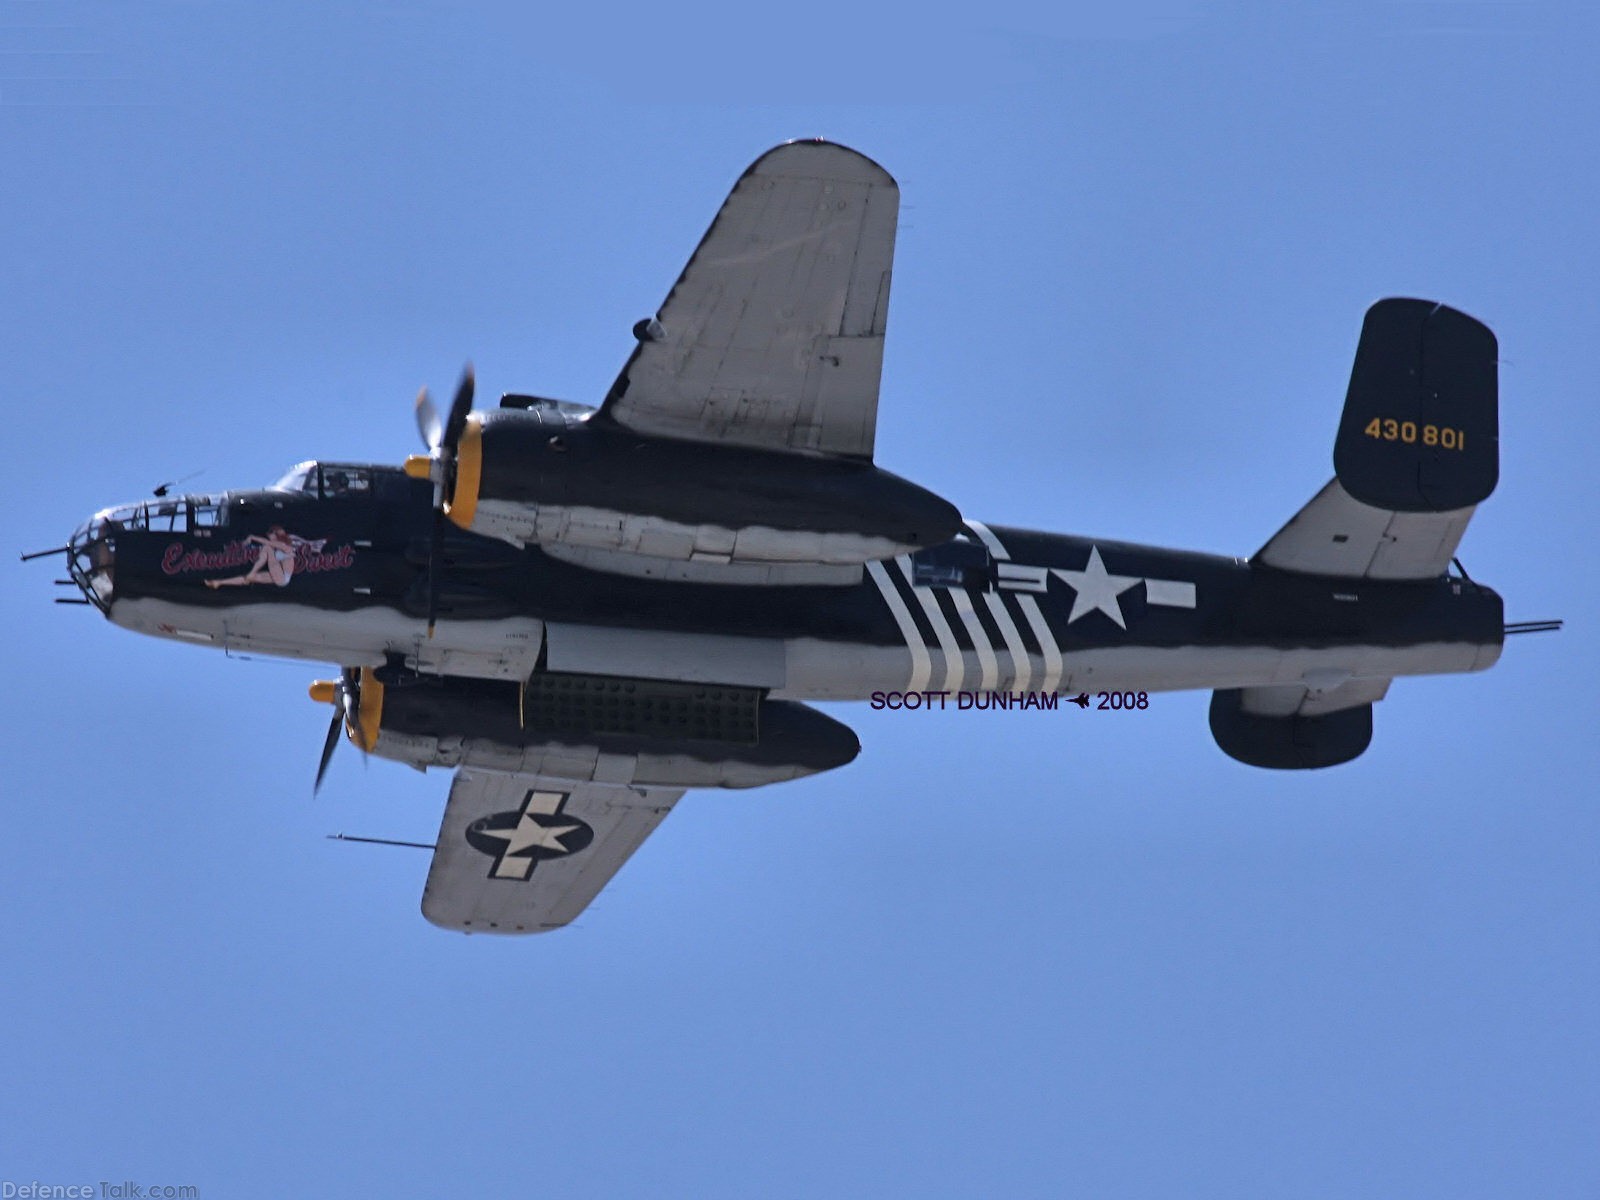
1421 424
1340 536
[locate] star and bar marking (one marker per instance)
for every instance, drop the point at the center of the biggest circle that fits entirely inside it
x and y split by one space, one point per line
519 841
1096 590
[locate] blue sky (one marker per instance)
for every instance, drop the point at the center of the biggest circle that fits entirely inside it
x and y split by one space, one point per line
1029 955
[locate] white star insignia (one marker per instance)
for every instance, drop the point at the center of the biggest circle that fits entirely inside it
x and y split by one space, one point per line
529 833
1095 589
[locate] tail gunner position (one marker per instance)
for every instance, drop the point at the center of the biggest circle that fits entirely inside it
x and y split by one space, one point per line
587 611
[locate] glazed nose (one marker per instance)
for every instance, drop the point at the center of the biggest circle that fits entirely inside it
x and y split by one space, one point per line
91 561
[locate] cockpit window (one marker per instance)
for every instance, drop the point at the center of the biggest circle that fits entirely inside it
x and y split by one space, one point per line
327 479
165 517
340 480
300 478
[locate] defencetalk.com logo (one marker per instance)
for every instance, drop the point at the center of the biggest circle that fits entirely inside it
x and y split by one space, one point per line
128 1189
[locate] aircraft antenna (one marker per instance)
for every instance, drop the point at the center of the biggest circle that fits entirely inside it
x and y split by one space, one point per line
348 837
161 489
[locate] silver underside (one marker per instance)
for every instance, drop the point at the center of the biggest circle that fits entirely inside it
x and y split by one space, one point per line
792 669
499 649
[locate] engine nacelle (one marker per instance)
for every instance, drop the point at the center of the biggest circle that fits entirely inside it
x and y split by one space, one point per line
583 727
575 483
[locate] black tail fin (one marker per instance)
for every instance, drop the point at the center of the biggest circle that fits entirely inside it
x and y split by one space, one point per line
1421 424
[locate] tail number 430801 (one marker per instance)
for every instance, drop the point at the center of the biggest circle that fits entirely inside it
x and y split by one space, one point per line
1388 429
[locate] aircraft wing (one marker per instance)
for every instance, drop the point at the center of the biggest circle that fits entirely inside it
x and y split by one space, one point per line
525 853
772 338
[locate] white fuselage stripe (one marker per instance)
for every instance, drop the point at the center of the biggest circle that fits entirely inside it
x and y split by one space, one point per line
987 537
921 660
954 666
989 666
1021 664
1051 679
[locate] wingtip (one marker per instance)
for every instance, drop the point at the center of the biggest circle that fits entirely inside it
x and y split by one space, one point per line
818 157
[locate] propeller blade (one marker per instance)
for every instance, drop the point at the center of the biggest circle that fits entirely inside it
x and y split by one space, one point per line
433 574
441 442
459 408
428 423
328 746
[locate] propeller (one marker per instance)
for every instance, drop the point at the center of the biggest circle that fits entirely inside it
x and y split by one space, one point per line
441 437
428 423
328 745
344 695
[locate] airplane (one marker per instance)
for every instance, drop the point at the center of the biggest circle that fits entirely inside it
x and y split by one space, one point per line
585 611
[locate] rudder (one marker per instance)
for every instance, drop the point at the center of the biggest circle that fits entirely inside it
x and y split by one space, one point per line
1421 424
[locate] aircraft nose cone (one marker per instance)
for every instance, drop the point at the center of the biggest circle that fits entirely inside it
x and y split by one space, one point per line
91 560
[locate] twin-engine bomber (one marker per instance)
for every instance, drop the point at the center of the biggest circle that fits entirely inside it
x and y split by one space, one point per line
586 611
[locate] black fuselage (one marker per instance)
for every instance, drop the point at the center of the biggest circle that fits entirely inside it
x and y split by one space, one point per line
994 608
